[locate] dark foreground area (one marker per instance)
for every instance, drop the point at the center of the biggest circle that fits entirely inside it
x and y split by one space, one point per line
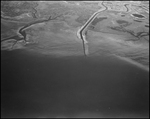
42 86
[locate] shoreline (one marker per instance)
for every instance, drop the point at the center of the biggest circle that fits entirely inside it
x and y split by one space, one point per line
133 63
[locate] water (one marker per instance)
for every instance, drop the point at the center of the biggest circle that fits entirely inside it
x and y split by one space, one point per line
35 85
140 16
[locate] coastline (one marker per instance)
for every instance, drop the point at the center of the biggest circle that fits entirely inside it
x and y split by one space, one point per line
133 62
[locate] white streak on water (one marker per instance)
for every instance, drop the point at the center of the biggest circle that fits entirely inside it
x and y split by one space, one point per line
133 62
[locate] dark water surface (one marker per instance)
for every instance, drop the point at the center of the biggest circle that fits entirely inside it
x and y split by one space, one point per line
42 86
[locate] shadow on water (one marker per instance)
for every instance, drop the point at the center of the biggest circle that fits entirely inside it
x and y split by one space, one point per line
43 86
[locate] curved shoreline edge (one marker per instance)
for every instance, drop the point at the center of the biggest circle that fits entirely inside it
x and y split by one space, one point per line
132 62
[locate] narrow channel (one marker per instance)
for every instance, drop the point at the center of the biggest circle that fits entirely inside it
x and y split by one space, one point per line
21 34
81 31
